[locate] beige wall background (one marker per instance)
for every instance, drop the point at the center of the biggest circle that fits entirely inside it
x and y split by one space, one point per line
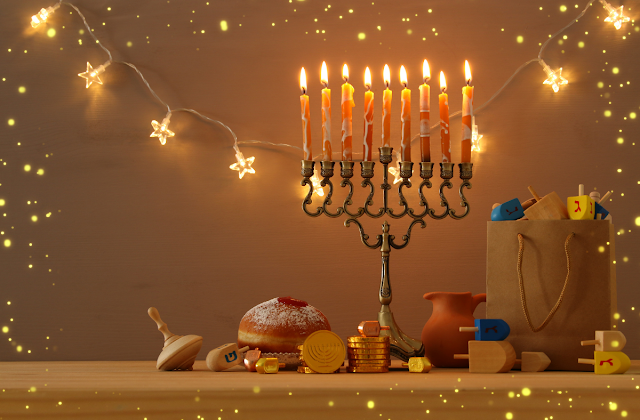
124 223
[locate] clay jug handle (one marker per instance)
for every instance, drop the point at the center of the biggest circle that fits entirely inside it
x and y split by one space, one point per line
477 299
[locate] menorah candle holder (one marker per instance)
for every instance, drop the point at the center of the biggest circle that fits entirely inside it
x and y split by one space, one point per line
402 346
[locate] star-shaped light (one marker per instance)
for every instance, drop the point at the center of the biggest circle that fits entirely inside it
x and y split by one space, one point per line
395 171
475 137
315 180
42 15
161 130
243 165
93 75
554 78
615 15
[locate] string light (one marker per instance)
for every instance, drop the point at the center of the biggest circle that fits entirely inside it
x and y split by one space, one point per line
615 15
554 78
93 75
475 137
243 165
161 130
43 15
317 188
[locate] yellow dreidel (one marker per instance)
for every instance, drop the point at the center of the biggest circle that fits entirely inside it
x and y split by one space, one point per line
608 362
268 365
224 357
418 365
607 341
533 361
582 207
489 356
371 329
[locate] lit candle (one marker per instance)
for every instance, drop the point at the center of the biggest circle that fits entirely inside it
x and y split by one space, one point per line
405 118
326 114
443 100
467 115
368 117
347 113
386 109
425 110
306 127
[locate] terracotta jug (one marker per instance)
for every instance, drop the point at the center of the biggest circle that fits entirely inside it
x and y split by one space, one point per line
440 335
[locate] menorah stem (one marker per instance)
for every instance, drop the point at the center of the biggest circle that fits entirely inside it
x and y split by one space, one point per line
384 293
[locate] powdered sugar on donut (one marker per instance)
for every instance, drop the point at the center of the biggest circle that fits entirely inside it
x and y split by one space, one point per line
273 313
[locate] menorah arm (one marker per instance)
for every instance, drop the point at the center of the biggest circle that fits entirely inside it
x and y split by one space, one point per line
403 201
464 203
443 202
348 201
423 201
406 237
307 199
363 236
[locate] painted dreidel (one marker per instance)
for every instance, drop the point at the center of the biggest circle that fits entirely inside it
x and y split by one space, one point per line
549 207
224 357
511 210
607 341
601 211
268 365
179 351
418 365
489 356
489 329
371 328
533 361
251 357
608 362
581 207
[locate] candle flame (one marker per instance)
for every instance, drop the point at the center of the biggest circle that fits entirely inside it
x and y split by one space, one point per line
403 76
367 78
467 72
345 73
443 82
387 75
426 71
303 81
324 77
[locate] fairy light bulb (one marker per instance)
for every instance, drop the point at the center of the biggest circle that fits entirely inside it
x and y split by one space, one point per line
475 137
395 171
161 130
43 15
93 75
315 181
243 165
616 15
554 78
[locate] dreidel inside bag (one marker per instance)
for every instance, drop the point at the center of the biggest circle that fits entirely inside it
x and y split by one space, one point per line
489 356
533 361
418 365
371 328
511 210
601 211
549 207
607 341
489 329
608 362
581 207
268 365
224 357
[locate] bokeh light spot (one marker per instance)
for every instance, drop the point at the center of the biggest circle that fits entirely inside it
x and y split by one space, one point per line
361 36
520 39
526 392
620 140
51 32
223 25
22 89
11 122
371 404
563 8
27 168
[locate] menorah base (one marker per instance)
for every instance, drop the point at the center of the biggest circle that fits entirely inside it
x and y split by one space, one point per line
402 346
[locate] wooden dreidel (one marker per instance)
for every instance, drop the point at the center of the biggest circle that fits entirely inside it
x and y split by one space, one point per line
533 361
607 341
268 365
489 329
581 207
179 351
251 357
511 210
608 362
550 207
371 328
489 356
418 365
224 357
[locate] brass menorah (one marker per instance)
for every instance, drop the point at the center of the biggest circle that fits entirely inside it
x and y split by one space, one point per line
402 346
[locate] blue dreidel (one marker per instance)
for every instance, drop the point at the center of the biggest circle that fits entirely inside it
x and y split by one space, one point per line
489 329
601 210
511 210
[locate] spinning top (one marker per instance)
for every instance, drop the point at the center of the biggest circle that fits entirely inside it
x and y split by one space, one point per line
268 365
418 365
370 328
489 356
489 329
549 207
533 361
511 210
179 351
224 357
251 358
607 341
608 362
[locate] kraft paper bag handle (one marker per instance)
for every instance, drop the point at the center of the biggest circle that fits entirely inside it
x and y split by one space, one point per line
523 298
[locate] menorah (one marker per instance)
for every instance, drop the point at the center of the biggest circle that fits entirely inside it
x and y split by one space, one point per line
402 346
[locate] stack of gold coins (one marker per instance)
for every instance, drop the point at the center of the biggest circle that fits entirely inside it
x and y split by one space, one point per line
303 368
368 354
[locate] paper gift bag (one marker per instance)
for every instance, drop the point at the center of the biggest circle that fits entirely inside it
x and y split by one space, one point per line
554 283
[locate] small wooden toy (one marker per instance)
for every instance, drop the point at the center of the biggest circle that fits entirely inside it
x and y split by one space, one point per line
550 207
601 211
530 202
179 351
607 341
581 207
371 328
533 361
268 365
418 365
251 357
489 329
608 362
489 356
511 210
606 196
224 357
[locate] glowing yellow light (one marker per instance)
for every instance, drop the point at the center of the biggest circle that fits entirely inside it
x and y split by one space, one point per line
40 171
616 316
22 89
620 140
5 329
2 202
520 39
303 81
623 413
11 122
526 392
475 137
403 76
370 404
315 182
223 25
395 171
554 78
34 218
93 75
386 75
51 32
330 403
600 249
161 130
511 394
43 15
27 168
256 389
508 416
19 349
613 406
616 15
638 221
345 73
607 113
443 82
361 36
367 78
324 75
426 71
243 165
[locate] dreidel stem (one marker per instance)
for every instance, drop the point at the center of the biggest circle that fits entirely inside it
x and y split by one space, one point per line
587 361
461 356
468 329
580 189
405 365
533 193
242 350
605 197
590 342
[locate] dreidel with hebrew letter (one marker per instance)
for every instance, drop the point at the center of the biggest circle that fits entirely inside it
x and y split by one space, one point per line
224 357
608 362
489 356
418 364
268 365
607 341
511 210
371 328
489 329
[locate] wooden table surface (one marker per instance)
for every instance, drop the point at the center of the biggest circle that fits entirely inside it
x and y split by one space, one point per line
136 390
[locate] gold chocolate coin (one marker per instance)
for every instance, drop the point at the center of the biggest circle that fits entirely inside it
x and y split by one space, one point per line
369 362
369 369
360 339
368 345
323 351
369 356
368 351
